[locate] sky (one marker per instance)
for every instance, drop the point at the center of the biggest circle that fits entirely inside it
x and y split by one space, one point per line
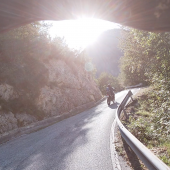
80 33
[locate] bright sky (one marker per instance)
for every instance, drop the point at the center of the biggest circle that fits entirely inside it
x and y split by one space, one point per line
82 32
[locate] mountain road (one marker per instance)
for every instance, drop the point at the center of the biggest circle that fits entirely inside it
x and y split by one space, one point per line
79 142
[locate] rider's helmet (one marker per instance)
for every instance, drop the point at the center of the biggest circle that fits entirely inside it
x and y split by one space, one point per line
108 85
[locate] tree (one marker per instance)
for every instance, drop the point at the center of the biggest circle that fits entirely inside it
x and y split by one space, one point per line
20 52
105 79
147 57
133 63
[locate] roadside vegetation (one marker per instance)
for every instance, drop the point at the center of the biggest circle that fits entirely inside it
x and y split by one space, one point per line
104 79
147 60
145 125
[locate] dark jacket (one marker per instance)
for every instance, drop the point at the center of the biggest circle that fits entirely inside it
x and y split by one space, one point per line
110 90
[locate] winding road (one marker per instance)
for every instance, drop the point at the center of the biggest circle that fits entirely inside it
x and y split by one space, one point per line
81 142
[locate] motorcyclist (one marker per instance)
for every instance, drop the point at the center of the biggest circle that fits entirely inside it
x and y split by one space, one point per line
110 94
110 90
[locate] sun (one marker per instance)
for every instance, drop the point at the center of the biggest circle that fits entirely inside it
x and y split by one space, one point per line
82 32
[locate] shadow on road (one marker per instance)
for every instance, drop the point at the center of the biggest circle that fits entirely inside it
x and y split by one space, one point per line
50 147
114 105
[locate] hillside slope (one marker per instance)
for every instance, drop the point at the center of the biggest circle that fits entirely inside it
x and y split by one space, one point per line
40 83
105 53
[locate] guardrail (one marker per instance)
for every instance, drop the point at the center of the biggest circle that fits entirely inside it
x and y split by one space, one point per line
151 161
130 87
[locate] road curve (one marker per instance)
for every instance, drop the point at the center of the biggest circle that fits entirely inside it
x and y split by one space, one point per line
81 142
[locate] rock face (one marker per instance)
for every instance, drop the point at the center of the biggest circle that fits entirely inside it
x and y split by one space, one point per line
7 122
7 92
70 89
67 86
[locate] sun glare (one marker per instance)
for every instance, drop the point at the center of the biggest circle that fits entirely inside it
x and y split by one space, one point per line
81 32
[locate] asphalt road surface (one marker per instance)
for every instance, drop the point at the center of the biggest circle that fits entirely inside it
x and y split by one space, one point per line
81 142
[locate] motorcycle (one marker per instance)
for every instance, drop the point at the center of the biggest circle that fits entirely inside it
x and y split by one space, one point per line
110 98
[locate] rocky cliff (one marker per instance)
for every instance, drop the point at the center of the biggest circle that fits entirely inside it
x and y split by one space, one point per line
65 86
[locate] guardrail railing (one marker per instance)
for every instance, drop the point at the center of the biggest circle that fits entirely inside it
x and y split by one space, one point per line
130 87
151 161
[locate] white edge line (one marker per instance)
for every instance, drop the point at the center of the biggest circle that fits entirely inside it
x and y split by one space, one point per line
114 156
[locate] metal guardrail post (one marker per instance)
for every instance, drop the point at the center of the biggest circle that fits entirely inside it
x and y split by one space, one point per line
151 161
